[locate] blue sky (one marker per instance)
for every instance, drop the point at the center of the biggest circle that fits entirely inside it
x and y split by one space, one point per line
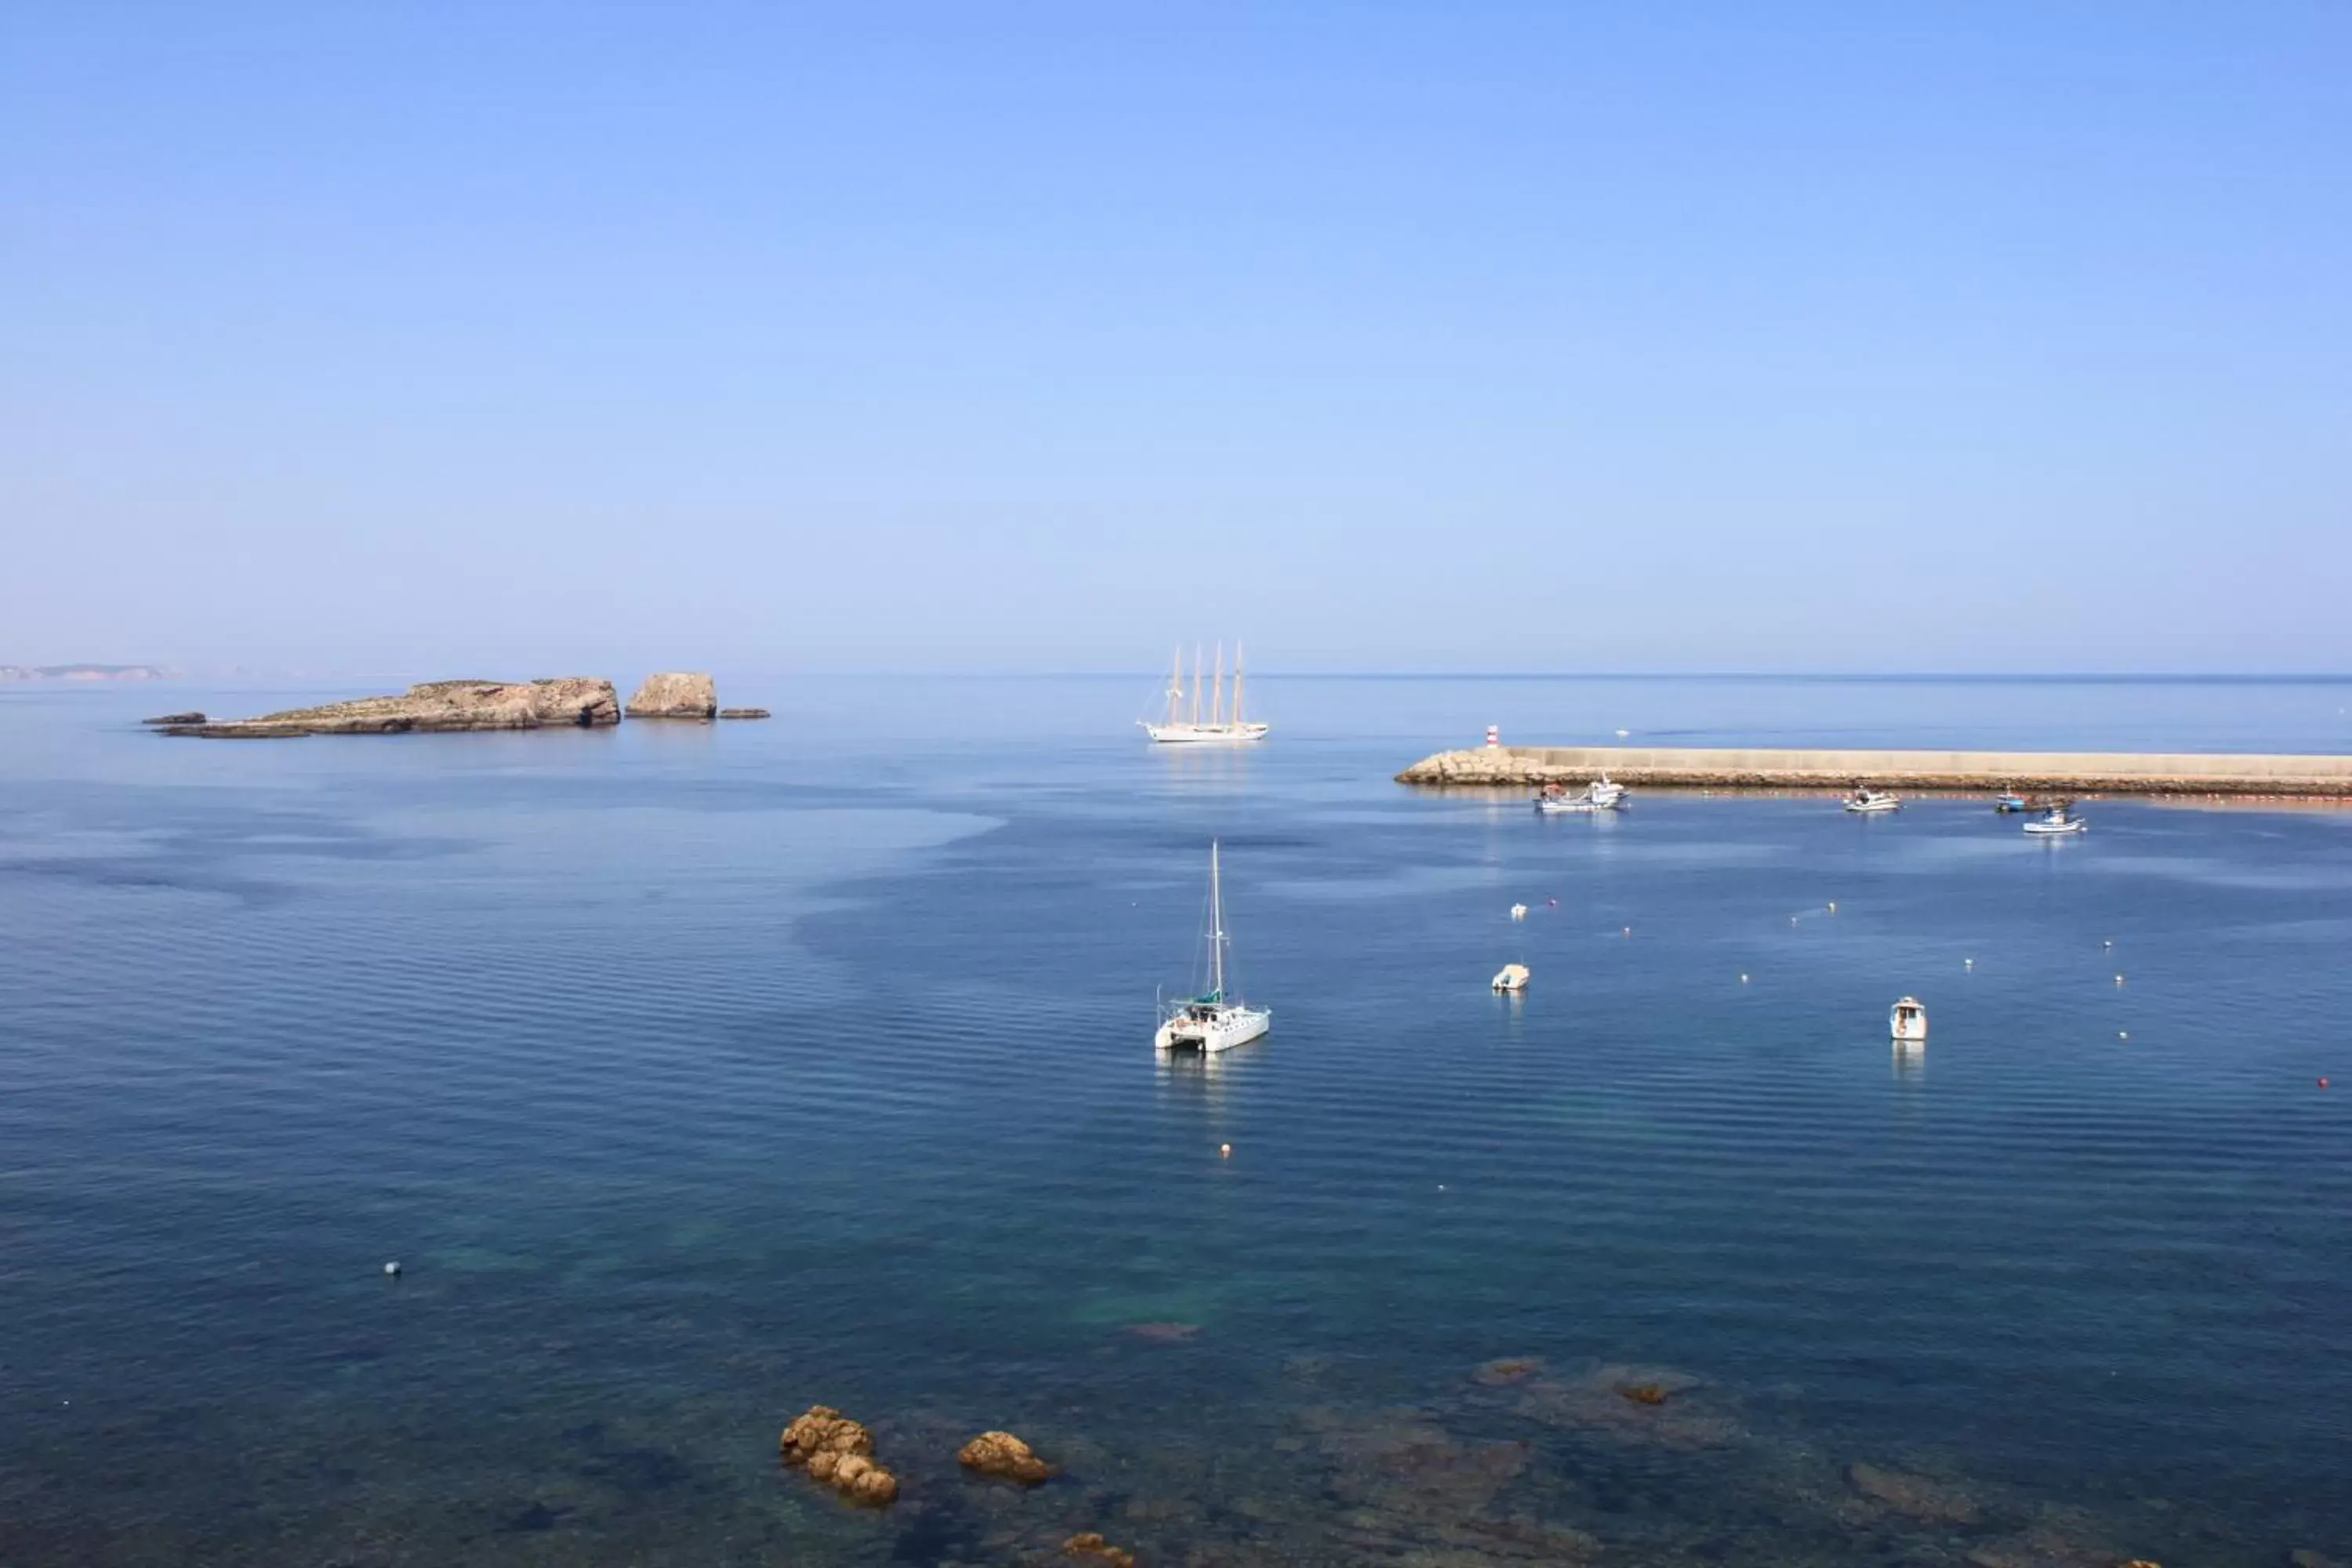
523 337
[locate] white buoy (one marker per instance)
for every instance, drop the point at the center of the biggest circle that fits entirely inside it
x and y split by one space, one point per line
1224 1151
1967 964
1743 980
1832 906
1518 912
2119 979
2123 1034
392 1269
2110 942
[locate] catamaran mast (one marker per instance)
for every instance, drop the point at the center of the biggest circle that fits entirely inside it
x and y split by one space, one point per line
1216 923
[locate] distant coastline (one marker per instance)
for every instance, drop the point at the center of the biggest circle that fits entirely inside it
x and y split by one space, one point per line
83 672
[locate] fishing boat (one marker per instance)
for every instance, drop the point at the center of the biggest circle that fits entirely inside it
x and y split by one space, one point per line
1866 801
1185 724
1214 1020
1906 1021
2007 804
2058 821
1598 795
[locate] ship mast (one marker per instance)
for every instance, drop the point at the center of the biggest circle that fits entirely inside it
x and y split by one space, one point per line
1196 683
1217 690
1175 683
1237 686
1216 923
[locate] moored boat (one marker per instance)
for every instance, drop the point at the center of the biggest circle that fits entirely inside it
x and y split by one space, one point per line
1216 1020
1865 801
1906 1021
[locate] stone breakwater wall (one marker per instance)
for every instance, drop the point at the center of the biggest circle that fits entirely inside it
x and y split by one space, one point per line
2038 772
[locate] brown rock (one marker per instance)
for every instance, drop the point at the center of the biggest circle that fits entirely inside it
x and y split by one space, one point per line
433 707
839 1451
1508 1370
744 714
1646 1393
1003 1455
1915 1496
674 696
175 719
1091 1544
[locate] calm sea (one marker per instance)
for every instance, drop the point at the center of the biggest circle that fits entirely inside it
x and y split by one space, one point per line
698 1075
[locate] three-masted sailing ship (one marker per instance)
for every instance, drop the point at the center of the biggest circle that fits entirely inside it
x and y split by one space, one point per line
1187 725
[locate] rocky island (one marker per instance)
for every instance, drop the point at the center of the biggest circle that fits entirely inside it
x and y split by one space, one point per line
676 695
435 706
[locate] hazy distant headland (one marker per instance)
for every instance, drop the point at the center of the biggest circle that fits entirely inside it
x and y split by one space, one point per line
576 701
83 672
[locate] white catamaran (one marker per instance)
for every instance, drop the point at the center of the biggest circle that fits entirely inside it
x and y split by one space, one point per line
1186 726
1213 1021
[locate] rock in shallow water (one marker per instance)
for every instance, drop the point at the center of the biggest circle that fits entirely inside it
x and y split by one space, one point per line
676 697
744 714
1091 1544
175 719
1003 1455
838 1451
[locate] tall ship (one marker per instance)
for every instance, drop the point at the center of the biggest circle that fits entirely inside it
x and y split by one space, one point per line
1186 725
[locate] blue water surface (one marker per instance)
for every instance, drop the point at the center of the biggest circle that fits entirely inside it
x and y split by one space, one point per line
695 1075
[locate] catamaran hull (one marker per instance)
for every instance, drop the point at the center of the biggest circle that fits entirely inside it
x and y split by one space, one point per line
1187 1035
1205 734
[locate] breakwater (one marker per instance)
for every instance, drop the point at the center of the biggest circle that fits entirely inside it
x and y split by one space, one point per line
2048 773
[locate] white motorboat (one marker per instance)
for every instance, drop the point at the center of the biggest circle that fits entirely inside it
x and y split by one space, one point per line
1186 725
1865 801
1216 1020
1906 1021
1511 977
2058 821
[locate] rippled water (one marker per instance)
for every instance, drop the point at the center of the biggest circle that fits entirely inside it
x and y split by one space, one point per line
699 1075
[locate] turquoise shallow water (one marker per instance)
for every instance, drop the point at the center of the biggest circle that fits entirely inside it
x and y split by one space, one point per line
699 1075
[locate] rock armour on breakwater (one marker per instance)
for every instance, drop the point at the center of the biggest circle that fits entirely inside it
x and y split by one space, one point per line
571 701
2061 772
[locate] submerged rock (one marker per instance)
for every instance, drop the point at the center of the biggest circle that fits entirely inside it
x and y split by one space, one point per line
1915 1497
1003 1455
838 1451
1164 1334
433 707
674 696
1506 1371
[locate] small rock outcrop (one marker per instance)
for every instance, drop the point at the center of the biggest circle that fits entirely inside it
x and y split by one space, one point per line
840 1452
744 714
676 697
1005 1457
175 719
570 703
1091 1544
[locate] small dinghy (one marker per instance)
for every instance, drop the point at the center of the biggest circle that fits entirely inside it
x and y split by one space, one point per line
2008 805
1513 977
2059 821
1906 1021
1866 802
